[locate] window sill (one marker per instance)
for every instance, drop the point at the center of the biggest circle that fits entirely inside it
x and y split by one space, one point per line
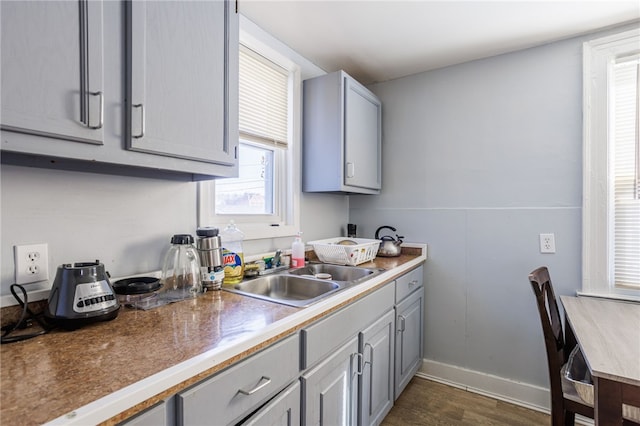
613 296
264 231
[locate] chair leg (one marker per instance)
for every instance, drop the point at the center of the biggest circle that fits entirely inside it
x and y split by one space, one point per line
569 418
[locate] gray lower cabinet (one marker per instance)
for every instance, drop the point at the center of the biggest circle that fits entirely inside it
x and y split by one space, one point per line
376 383
331 388
409 328
345 369
349 360
232 395
145 88
283 410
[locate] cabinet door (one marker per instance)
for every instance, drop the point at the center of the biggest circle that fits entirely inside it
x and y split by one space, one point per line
183 79
52 66
362 133
408 283
283 410
331 388
409 325
319 340
376 383
158 415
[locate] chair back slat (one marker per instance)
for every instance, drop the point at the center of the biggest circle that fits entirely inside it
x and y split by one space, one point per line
548 309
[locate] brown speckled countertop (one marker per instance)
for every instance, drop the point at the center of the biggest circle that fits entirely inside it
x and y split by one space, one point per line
52 375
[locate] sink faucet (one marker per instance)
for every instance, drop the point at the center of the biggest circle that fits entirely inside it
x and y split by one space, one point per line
276 258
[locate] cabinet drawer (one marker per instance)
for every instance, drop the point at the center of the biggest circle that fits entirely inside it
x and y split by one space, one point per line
283 410
230 395
408 283
321 338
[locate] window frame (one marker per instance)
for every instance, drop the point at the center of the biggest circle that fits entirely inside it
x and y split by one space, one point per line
597 223
288 178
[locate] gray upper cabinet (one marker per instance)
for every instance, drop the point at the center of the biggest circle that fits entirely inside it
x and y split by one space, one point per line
342 137
52 69
150 88
178 80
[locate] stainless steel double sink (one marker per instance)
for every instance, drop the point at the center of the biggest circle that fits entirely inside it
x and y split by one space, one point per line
304 286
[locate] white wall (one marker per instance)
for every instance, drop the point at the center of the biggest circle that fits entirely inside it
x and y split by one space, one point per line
478 159
124 222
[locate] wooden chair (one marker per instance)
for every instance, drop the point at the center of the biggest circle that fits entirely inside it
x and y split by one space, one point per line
565 402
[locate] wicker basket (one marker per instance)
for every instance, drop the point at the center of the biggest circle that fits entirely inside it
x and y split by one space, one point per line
578 374
329 251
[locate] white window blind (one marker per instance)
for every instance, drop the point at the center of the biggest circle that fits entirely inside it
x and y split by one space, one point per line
263 99
624 169
264 200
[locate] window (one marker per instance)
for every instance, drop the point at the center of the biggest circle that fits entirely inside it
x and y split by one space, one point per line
263 199
611 193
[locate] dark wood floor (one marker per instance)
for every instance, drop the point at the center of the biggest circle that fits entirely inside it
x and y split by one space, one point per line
425 402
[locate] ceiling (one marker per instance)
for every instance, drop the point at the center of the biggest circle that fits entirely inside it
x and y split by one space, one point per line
376 40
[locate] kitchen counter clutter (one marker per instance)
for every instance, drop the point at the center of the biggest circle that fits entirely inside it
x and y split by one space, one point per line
107 372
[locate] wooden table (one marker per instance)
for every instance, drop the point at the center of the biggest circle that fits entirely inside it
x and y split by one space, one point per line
608 333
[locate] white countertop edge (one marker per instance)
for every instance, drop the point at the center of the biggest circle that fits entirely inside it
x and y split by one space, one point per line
136 393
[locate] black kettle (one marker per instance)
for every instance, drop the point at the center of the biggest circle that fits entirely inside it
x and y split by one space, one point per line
389 246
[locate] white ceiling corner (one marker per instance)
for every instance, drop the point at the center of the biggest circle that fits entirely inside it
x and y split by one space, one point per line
379 40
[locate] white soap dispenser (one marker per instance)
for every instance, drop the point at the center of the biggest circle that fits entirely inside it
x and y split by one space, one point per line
297 252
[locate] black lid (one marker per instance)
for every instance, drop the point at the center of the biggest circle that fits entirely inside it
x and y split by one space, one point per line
137 285
182 239
207 232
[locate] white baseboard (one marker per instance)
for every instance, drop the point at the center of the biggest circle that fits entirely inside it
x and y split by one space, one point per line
523 394
518 393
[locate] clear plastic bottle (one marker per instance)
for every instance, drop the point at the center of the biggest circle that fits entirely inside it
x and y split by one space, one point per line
181 268
232 254
297 252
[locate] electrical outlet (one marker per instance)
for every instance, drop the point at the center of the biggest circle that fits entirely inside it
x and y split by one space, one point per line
547 243
32 263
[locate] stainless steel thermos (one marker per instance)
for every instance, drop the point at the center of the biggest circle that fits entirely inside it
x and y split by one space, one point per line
209 247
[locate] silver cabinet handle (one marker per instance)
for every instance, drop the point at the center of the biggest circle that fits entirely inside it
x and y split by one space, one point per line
266 379
360 363
370 362
351 170
413 283
402 323
142 121
101 111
